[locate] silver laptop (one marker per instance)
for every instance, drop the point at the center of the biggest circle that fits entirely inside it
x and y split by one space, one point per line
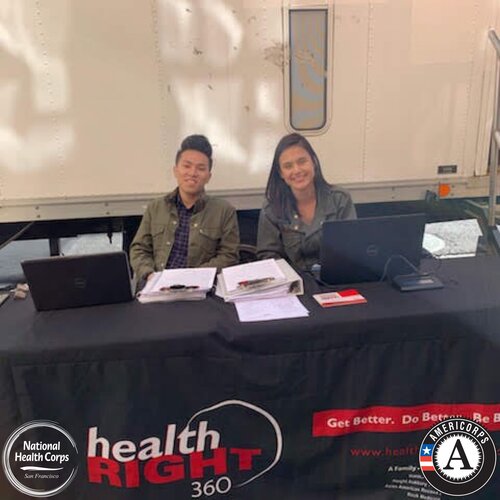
78 280
360 250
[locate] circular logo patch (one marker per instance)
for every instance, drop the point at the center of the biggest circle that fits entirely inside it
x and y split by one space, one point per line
457 456
40 459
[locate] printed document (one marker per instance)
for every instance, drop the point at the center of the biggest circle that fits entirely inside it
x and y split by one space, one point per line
178 284
201 277
266 310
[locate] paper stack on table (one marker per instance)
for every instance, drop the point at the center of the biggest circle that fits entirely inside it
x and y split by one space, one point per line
178 284
263 279
266 310
263 290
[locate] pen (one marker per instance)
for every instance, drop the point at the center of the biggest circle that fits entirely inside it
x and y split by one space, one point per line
255 282
178 288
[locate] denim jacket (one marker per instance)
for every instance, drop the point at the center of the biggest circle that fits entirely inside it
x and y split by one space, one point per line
213 235
296 241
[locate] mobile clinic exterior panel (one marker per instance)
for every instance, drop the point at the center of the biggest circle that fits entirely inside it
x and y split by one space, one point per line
395 95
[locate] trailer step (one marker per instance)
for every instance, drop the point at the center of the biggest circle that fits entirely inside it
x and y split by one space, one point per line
480 209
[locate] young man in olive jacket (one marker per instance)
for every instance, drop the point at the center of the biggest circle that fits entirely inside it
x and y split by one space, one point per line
186 228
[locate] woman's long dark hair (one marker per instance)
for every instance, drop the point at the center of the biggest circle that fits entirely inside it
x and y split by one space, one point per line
278 193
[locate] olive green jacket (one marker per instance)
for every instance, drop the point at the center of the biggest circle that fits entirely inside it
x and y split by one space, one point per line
213 235
296 241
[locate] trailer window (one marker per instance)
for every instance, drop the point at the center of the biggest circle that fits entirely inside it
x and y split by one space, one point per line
307 75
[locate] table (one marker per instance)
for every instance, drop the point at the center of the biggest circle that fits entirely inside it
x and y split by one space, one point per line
314 408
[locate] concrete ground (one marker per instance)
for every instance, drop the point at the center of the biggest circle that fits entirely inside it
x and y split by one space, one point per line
452 239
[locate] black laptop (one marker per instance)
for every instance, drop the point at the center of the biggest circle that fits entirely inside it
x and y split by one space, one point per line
78 280
360 250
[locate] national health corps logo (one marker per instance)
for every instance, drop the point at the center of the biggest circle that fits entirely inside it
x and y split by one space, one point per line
40 459
457 456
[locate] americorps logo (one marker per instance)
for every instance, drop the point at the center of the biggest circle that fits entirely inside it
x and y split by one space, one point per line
457 456
223 447
40 459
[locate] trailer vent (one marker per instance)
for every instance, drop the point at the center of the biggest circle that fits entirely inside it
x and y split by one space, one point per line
447 169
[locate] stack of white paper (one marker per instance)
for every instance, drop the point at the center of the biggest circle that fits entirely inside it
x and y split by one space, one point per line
178 284
265 279
266 310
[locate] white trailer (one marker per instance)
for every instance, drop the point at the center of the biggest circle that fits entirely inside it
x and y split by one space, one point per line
396 96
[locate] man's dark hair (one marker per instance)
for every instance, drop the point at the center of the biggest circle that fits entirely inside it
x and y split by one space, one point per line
198 143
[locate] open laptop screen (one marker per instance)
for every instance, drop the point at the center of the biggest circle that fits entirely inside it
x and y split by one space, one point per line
78 280
355 251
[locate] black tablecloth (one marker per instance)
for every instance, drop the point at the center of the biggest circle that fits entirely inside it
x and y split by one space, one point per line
131 370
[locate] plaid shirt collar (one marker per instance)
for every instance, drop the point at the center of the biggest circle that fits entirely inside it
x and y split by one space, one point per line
173 196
